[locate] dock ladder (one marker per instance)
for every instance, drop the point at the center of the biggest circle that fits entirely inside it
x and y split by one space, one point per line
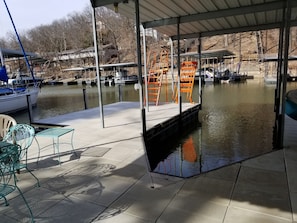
158 68
187 78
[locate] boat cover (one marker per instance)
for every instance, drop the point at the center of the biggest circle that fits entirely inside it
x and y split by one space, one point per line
3 74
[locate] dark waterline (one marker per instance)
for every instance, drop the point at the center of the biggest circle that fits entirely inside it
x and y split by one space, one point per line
236 123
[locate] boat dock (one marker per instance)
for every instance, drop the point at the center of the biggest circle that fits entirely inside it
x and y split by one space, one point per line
107 180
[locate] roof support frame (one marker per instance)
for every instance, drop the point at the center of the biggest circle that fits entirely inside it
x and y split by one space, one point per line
178 67
281 85
236 30
98 72
217 14
138 42
284 71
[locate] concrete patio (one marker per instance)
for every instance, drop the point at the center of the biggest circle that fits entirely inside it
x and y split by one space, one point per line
107 180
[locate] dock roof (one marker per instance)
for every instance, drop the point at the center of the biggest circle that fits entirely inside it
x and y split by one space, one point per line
206 17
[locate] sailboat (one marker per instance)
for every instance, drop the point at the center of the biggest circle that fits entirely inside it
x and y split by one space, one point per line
14 98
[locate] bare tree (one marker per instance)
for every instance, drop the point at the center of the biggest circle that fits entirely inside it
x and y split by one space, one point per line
117 30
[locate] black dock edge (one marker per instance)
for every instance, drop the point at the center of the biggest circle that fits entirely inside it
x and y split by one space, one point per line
164 135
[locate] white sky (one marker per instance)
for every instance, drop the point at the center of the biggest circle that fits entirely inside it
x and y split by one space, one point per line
27 14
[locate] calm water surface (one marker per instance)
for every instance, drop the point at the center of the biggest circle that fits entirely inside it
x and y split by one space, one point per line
237 122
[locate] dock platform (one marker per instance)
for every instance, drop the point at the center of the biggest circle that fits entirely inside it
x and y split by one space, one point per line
109 180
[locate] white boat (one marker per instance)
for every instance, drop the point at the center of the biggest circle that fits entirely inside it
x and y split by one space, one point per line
16 101
118 75
14 98
209 75
121 77
270 79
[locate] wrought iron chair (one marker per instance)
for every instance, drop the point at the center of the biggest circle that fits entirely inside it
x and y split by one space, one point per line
22 135
8 159
6 122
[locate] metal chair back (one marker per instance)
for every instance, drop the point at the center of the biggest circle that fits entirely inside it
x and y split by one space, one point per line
8 159
21 135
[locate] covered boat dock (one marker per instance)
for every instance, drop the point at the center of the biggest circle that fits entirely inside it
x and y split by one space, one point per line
109 182
197 19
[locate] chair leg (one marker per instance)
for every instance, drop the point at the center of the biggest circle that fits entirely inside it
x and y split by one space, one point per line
31 214
38 184
18 170
38 149
5 200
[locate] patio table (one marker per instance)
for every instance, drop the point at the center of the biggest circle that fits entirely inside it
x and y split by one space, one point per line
55 134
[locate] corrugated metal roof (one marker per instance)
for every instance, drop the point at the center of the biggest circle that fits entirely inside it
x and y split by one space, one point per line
205 17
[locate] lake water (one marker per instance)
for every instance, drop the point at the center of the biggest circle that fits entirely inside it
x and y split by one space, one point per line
55 100
236 122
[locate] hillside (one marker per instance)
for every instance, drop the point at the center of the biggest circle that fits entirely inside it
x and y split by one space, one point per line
246 46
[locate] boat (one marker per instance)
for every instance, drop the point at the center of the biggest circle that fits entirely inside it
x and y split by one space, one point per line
14 97
291 78
20 79
12 101
270 79
291 104
228 76
209 75
121 77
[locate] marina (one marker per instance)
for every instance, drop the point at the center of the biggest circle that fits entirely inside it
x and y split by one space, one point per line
155 152
109 179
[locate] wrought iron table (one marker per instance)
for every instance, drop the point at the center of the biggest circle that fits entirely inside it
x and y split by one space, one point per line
55 134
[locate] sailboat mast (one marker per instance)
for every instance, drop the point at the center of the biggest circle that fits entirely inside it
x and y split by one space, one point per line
20 42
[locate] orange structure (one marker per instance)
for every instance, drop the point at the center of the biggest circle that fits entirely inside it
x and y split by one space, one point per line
189 151
158 67
187 78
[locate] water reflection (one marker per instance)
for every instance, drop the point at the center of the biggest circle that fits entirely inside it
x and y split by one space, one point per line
184 161
236 123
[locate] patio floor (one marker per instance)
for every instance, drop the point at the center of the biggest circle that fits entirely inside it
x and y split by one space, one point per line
107 180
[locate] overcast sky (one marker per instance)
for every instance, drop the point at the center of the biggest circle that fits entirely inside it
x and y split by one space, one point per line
27 14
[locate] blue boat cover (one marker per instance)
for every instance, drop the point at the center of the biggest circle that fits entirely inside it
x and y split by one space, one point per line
3 74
